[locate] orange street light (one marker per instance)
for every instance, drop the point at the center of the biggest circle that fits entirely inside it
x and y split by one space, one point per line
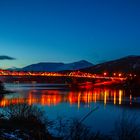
120 74
114 74
105 74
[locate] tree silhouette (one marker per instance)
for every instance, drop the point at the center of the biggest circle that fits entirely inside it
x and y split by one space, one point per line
1 87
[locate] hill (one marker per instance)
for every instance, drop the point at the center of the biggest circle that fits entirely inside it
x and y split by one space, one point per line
55 67
126 64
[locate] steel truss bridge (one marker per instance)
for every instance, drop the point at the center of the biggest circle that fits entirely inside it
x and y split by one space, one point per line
75 74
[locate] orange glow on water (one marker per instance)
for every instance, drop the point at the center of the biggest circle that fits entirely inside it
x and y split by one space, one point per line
114 97
79 99
120 96
130 99
95 97
105 98
55 97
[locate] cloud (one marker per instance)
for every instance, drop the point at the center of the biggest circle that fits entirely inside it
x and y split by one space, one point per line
4 57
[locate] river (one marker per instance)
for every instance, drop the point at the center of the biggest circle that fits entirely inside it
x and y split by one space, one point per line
62 102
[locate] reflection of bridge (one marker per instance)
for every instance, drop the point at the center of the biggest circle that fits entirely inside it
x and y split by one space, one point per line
55 97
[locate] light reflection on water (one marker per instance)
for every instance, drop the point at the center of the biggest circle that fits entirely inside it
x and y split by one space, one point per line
47 97
67 103
54 97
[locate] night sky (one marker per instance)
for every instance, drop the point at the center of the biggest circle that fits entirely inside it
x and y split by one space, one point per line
68 30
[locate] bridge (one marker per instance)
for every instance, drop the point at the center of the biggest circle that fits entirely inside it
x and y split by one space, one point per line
76 74
79 78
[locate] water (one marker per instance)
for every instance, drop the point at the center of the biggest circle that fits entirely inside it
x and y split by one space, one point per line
62 102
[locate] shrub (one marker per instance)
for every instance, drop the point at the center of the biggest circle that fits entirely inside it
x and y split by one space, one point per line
27 120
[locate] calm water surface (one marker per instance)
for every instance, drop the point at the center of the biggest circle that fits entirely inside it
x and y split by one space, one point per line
61 102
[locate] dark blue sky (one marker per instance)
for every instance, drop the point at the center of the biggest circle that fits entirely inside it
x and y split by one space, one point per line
68 30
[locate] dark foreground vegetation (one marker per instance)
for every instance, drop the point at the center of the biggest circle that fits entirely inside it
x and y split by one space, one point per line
24 122
3 90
